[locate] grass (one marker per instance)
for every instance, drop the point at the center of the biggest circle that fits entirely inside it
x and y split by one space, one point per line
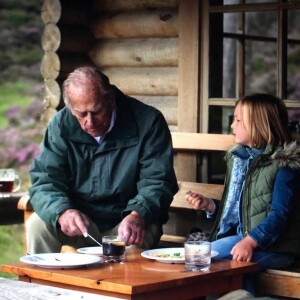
11 245
15 93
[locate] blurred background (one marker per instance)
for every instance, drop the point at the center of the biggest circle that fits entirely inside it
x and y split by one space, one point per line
20 102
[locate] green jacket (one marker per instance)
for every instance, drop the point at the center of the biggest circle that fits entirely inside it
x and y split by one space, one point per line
257 198
131 170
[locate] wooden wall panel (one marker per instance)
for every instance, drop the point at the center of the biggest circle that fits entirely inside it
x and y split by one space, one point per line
128 5
188 83
135 52
144 81
137 47
137 24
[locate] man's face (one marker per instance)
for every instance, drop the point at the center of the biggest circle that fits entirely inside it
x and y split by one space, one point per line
92 111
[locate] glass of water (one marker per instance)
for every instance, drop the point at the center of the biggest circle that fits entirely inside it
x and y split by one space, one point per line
197 255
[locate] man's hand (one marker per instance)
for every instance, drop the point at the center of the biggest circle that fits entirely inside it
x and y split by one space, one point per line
243 250
73 222
131 229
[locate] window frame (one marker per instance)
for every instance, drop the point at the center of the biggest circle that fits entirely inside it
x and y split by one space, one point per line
211 7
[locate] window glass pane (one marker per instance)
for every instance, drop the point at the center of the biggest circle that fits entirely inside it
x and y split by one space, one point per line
293 61
262 23
261 67
229 68
231 22
294 24
228 2
260 1
294 122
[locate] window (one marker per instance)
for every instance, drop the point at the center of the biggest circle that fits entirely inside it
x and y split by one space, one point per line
254 46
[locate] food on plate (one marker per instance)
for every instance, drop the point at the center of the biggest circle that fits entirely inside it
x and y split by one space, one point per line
68 249
167 255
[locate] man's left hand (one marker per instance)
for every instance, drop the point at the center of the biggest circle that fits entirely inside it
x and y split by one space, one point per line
131 229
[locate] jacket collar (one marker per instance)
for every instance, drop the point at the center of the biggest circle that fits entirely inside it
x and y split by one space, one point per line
123 134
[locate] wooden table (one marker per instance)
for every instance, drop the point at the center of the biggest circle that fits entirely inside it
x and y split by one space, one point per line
139 278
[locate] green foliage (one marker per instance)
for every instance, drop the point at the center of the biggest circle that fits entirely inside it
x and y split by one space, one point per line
27 56
11 245
13 93
20 35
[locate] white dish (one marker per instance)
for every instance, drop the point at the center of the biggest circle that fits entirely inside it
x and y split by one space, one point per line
60 260
91 250
152 254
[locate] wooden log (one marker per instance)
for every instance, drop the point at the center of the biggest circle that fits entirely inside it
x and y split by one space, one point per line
166 104
51 37
121 5
52 93
51 11
144 81
162 23
76 39
135 52
50 65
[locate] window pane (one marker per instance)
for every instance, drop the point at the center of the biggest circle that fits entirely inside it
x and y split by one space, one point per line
231 22
228 2
293 68
260 1
229 68
294 122
261 67
262 23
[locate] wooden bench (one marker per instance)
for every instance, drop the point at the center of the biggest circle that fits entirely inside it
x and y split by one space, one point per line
283 283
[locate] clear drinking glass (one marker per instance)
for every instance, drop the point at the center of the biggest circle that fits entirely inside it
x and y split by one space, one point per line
9 181
197 255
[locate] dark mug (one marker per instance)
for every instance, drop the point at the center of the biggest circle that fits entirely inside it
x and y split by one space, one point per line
9 181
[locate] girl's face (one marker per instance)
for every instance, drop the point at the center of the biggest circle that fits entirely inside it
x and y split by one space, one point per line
240 126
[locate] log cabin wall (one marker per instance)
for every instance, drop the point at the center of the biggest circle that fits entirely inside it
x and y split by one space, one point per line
137 48
148 48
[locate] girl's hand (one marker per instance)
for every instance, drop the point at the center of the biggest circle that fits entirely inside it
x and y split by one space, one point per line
243 250
199 202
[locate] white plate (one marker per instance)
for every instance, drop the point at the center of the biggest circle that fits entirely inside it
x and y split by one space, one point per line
151 254
91 250
60 260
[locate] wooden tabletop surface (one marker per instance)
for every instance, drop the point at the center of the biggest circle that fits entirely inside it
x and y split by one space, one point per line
139 278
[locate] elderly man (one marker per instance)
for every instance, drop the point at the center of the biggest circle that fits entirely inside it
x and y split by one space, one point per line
106 167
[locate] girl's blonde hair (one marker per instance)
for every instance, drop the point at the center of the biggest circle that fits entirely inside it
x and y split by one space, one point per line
268 119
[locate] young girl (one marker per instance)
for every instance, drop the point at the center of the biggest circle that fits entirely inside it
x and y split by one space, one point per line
257 218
